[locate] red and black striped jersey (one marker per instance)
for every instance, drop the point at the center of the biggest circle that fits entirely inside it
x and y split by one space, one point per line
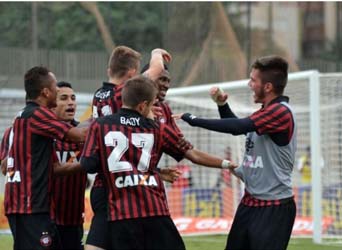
126 148
166 118
276 120
29 163
107 100
68 191
5 143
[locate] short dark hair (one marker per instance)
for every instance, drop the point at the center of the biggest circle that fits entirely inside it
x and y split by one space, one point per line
64 85
123 59
273 69
35 80
137 90
147 66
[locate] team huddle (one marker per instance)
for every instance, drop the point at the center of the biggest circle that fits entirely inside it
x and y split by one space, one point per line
46 155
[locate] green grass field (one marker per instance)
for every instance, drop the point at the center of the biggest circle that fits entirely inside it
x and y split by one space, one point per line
212 242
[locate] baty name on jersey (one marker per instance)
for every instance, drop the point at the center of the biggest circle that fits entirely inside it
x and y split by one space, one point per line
132 121
135 180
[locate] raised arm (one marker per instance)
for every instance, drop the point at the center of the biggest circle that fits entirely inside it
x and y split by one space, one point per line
220 98
157 63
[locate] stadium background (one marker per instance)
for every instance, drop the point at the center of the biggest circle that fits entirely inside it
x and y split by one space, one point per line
210 42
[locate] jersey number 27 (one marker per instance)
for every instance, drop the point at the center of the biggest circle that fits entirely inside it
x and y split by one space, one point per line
120 143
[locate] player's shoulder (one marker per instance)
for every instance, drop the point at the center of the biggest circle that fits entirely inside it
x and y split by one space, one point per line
39 111
277 107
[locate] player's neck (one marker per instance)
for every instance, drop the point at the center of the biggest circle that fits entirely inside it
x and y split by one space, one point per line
113 81
117 80
268 99
40 101
130 108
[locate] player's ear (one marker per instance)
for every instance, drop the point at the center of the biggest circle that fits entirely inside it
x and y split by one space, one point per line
141 106
269 87
132 72
45 92
109 72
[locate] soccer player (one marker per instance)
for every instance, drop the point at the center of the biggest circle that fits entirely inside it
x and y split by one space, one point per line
123 64
125 148
163 83
29 164
265 216
68 191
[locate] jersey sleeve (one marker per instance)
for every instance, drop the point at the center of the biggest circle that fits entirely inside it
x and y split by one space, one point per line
90 155
170 139
172 123
5 144
44 122
276 118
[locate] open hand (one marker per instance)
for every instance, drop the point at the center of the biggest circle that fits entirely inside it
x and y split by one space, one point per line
170 174
157 111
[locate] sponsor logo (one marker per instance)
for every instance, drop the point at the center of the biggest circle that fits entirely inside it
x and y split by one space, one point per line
102 94
13 176
253 162
135 180
67 156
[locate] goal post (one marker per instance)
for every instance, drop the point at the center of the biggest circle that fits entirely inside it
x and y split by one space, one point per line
315 139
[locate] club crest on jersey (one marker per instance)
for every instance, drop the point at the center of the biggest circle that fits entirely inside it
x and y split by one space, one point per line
162 120
45 240
249 144
135 180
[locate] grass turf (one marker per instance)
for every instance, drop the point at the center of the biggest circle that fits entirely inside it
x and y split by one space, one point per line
212 242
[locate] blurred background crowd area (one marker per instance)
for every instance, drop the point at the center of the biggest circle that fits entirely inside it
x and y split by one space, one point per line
209 41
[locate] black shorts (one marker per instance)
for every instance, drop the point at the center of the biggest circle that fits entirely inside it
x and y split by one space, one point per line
71 237
157 232
264 228
33 231
98 232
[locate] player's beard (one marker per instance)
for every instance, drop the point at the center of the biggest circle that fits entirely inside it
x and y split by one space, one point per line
259 95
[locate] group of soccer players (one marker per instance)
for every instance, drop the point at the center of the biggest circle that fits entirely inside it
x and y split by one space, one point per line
46 155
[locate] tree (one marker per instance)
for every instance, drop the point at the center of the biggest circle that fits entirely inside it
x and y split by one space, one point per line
105 33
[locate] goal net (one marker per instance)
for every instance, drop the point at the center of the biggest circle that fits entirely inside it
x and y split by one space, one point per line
204 200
